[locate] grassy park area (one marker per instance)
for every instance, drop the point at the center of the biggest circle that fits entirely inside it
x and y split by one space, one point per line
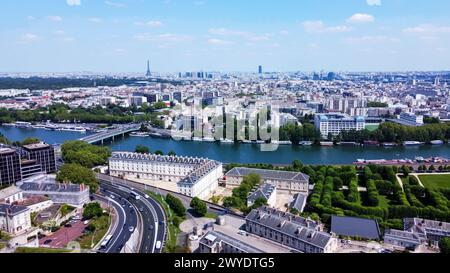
41 250
436 182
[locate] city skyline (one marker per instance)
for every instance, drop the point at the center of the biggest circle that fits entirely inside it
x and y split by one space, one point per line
119 36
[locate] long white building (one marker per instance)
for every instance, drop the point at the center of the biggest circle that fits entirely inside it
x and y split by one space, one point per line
335 123
195 177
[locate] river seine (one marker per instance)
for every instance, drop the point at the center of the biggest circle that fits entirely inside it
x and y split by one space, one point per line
242 153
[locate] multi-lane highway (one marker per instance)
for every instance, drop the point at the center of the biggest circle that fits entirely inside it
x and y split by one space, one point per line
153 227
126 217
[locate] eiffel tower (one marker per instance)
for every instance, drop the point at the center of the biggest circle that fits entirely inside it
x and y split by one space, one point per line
149 74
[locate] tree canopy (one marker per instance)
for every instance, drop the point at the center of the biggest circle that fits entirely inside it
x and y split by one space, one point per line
77 174
85 154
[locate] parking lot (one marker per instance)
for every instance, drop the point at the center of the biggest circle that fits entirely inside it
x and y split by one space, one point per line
64 236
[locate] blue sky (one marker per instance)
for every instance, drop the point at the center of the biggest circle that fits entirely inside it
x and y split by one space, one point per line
224 35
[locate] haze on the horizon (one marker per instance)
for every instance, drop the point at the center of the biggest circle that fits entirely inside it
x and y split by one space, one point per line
224 35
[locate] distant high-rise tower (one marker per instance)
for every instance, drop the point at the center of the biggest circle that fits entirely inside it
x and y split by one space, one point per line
149 74
260 69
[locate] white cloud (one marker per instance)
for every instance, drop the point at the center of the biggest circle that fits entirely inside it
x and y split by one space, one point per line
115 4
371 39
219 42
320 27
73 2
361 18
427 29
54 18
60 32
284 32
28 38
227 32
94 20
150 24
168 37
374 2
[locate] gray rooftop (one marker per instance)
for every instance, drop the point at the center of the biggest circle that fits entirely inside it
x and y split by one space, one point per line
127 156
199 172
294 226
9 191
213 237
355 227
401 235
51 187
13 210
264 192
299 202
270 174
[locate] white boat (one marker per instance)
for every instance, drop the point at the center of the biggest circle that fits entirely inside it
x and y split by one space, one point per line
38 126
209 139
437 142
73 129
413 143
306 143
281 142
21 124
226 141
389 144
139 134
51 127
197 139
8 124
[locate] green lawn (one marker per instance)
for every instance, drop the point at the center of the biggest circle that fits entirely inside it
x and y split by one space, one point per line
173 231
103 225
383 202
41 250
436 181
372 127
211 215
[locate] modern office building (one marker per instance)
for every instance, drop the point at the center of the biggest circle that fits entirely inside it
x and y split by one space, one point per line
283 181
411 119
217 242
196 177
335 123
43 155
292 231
14 220
10 171
137 100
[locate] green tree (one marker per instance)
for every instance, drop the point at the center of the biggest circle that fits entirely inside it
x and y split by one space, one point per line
31 140
199 207
176 205
77 174
172 153
85 154
141 149
444 245
92 210
159 152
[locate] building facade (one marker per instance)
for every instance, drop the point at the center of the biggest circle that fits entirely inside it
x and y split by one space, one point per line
335 123
284 181
10 171
10 195
43 154
14 220
289 230
196 177
266 192
71 194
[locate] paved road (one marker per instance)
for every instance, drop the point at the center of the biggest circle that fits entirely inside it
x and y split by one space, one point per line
154 223
212 208
126 217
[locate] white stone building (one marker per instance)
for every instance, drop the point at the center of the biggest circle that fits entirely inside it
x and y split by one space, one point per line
14 220
10 195
196 177
335 123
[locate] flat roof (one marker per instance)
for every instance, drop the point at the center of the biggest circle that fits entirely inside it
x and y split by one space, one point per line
355 227
36 146
9 191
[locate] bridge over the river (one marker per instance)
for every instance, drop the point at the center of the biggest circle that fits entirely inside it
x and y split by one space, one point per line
111 134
